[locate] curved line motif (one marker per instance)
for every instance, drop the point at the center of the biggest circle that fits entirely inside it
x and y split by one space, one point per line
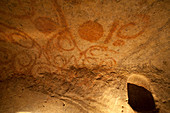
70 43
40 69
24 61
21 40
119 34
144 19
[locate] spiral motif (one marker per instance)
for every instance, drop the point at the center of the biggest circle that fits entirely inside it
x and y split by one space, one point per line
24 61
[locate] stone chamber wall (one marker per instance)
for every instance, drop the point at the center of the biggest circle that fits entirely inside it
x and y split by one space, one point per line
82 52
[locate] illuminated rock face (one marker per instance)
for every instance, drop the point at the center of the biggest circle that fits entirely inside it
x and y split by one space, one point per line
83 51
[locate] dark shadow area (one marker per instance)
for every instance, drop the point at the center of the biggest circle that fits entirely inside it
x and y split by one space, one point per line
140 99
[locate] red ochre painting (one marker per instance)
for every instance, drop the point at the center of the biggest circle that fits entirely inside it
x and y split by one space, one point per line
20 52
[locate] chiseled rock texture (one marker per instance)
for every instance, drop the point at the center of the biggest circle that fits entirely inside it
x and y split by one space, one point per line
75 56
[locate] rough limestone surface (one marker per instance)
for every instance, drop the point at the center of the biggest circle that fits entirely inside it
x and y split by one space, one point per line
75 56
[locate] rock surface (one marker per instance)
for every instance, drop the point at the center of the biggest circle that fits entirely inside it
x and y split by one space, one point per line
75 56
